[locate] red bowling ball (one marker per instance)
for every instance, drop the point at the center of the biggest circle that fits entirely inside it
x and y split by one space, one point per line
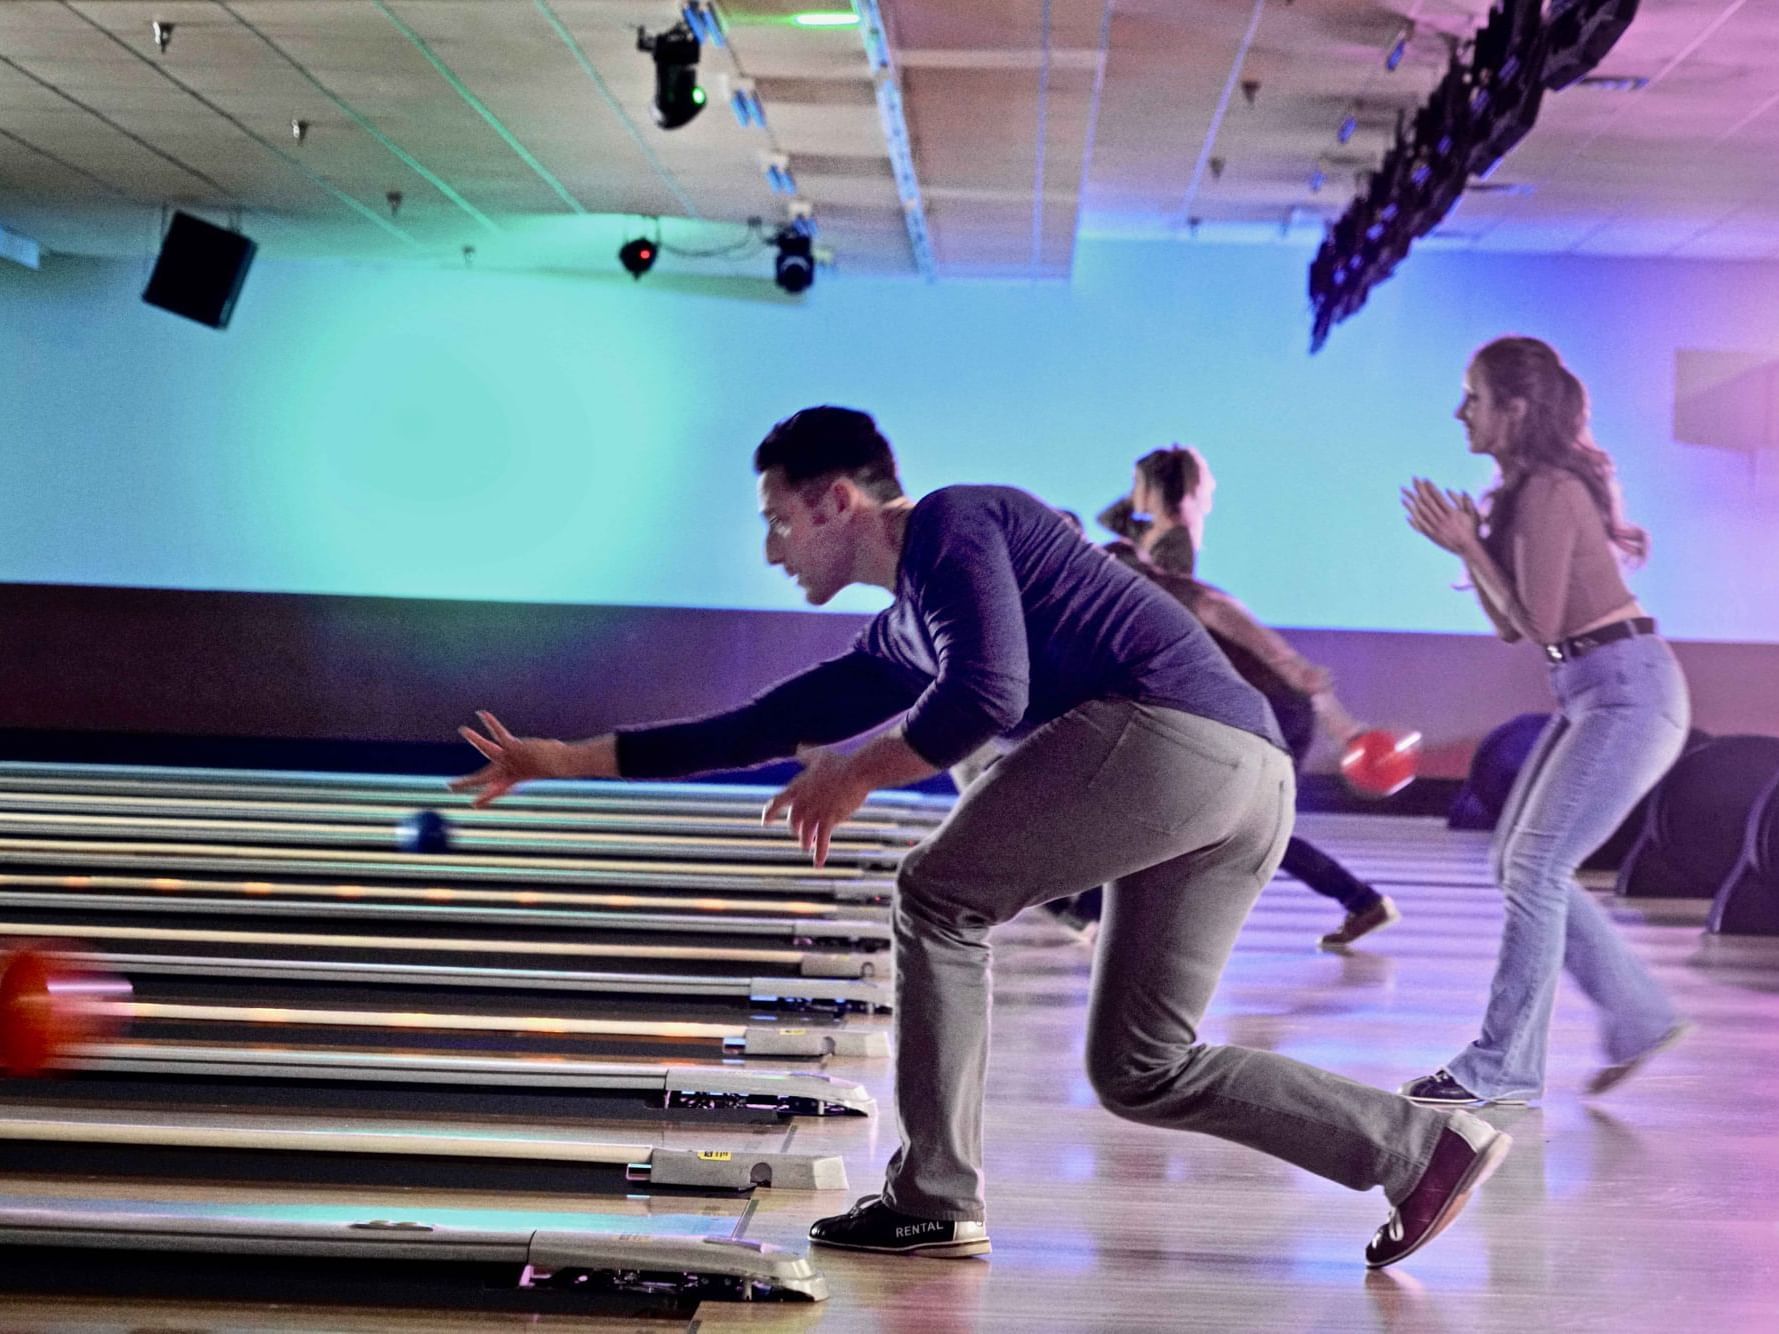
1380 762
48 1006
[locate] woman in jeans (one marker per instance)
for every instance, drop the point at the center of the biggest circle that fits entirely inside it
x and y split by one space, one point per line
1545 563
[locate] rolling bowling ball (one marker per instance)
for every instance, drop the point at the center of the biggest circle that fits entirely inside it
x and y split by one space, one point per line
1379 762
425 831
48 1006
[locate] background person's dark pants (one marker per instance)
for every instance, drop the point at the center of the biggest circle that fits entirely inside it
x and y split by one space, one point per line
1328 877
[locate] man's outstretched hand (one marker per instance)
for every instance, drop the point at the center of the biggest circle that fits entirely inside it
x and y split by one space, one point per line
818 800
511 760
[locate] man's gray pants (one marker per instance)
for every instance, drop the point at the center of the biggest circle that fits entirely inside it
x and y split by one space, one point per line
1184 821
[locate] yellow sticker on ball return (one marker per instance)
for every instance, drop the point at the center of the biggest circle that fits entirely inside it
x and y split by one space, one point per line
714 1155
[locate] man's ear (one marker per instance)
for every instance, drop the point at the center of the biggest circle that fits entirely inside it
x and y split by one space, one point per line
839 499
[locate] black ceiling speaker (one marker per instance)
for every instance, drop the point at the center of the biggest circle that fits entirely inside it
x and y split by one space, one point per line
1581 33
200 271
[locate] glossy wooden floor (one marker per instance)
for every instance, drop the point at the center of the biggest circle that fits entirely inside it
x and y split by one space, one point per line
1656 1208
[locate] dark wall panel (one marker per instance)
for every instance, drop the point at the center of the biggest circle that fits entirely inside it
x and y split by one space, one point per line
376 669
79 659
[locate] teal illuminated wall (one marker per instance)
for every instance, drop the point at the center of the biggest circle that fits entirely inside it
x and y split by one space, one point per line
401 432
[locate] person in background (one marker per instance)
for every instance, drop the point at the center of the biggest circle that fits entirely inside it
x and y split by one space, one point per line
1543 553
1160 527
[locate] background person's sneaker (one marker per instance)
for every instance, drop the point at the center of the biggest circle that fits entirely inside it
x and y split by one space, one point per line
1375 918
871 1225
1468 1152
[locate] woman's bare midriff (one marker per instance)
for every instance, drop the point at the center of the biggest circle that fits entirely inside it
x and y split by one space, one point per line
1630 609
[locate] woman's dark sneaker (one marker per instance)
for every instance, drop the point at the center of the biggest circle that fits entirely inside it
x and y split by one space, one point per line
1468 1152
871 1225
1439 1089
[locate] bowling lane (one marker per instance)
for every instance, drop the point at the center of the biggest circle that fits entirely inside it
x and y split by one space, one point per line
478 1019
738 801
72 854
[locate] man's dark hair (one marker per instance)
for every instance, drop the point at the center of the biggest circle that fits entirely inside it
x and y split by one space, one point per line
819 443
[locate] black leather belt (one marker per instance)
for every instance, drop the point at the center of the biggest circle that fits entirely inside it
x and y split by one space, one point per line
1569 649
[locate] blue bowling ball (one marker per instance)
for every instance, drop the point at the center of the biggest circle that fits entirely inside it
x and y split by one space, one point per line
424 831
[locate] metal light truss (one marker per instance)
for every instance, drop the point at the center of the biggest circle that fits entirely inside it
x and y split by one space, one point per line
895 134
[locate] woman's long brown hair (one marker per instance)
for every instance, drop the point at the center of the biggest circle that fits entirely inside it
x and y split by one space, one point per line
1553 433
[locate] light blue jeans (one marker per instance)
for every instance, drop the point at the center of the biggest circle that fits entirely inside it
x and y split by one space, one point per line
1622 718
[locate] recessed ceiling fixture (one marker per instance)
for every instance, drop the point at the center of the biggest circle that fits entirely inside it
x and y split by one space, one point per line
826 19
1399 48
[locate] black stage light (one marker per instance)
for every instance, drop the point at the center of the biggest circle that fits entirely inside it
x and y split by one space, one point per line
1322 269
678 98
1320 327
1486 103
1443 135
1581 33
793 268
1394 175
1506 80
637 256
